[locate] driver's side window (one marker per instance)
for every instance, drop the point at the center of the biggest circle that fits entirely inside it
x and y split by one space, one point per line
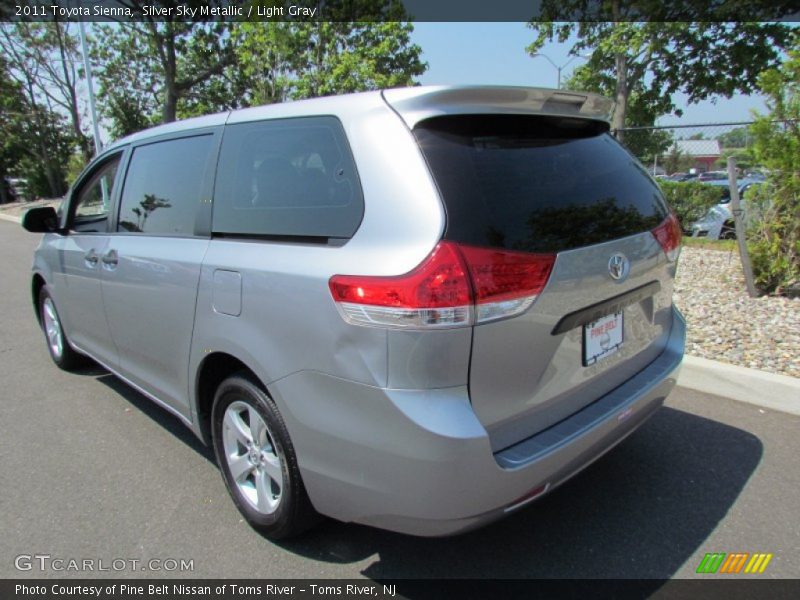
92 202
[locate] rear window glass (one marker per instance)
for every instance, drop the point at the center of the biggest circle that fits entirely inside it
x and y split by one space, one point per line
536 184
287 177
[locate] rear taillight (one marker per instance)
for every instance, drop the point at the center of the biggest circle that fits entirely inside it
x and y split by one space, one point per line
454 286
505 283
669 235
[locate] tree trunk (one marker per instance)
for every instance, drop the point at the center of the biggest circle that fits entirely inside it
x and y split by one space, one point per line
170 75
170 102
4 191
620 96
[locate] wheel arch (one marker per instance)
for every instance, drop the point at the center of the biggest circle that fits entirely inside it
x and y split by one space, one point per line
213 370
37 283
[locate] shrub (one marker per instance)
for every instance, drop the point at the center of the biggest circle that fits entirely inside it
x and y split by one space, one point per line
774 240
690 200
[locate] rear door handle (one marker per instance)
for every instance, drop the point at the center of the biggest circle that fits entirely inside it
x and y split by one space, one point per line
111 259
90 258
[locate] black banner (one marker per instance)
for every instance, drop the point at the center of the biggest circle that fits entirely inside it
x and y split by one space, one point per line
394 10
250 589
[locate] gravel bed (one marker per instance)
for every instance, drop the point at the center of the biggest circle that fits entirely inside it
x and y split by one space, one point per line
725 324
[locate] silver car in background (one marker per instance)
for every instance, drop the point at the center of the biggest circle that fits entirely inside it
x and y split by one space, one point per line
418 309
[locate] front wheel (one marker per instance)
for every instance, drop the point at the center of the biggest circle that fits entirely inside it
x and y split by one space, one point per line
258 461
57 344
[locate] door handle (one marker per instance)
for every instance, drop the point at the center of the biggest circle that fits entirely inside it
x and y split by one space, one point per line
90 258
111 259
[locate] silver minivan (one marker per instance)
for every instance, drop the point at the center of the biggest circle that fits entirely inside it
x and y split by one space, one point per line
418 309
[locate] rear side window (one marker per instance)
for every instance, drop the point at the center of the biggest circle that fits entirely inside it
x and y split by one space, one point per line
163 186
536 184
287 177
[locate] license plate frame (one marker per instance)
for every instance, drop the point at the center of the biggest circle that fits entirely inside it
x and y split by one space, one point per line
595 345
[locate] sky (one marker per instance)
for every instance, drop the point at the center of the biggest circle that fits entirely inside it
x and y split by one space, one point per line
494 54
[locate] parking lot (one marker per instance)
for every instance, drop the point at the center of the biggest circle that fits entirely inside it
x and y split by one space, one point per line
89 468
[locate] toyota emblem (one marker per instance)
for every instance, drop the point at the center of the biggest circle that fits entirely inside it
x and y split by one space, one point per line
619 266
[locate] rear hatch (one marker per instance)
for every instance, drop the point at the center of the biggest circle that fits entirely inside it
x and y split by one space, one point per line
560 186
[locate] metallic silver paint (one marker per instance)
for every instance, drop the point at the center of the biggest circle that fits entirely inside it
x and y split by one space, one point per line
390 428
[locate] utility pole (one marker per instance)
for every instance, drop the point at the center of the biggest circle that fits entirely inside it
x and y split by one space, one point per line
739 223
560 68
88 67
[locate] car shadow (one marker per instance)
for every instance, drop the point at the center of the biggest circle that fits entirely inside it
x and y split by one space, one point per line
158 414
639 512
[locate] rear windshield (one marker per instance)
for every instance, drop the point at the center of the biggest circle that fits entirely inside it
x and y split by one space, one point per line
536 184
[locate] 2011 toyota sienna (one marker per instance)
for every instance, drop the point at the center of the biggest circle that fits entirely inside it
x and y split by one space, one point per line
418 309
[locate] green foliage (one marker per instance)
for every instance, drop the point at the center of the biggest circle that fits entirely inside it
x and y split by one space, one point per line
295 60
738 137
676 161
43 58
707 244
644 107
155 72
700 58
38 140
46 171
743 156
75 166
774 238
11 141
127 75
690 200
337 58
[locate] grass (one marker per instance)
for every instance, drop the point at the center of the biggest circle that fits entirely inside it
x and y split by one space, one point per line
705 243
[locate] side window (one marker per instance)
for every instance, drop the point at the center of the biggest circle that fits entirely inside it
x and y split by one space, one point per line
163 186
293 177
93 200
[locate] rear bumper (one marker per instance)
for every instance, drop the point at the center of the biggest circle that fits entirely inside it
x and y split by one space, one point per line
419 461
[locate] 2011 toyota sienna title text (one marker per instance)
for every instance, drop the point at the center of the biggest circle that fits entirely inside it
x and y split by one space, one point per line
418 309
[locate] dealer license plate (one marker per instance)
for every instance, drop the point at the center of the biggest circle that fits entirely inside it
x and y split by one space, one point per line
601 338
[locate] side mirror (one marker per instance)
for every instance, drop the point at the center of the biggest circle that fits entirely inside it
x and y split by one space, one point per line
41 220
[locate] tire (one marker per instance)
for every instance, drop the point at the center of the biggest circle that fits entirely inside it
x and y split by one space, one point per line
267 487
57 342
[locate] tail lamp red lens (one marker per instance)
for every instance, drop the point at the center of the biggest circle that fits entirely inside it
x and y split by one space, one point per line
455 285
668 234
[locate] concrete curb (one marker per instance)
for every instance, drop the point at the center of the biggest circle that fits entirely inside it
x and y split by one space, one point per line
10 218
776 392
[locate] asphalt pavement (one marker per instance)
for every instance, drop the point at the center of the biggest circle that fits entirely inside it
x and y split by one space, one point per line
90 469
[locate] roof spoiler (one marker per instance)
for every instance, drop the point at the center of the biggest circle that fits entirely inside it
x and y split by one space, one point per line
418 103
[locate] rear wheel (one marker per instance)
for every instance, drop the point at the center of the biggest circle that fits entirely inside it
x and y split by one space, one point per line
728 232
258 461
57 344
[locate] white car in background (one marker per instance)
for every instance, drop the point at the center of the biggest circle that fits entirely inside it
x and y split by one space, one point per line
717 223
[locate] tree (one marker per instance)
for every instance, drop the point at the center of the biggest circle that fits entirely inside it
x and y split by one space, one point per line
177 61
296 60
700 58
735 138
644 107
338 58
11 141
45 136
46 54
128 90
774 238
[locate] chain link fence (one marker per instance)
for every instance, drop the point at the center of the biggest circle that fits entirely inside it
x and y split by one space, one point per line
693 152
